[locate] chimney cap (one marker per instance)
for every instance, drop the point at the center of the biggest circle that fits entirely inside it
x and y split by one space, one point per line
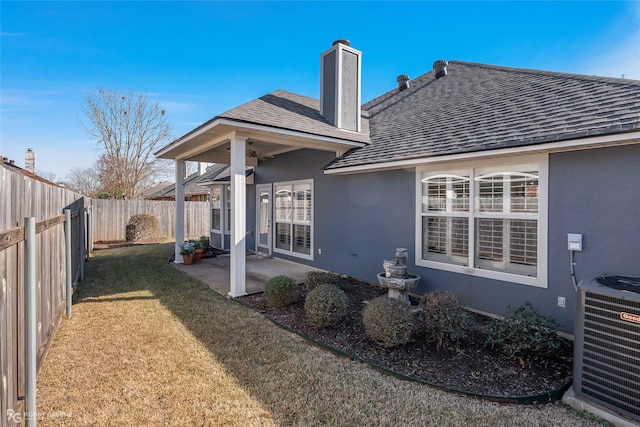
440 68
341 41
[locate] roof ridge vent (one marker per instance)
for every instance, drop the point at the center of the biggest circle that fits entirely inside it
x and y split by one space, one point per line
403 82
440 68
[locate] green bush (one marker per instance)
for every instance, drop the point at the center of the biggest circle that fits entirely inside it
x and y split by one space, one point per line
524 332
446 318
141 226
325 306
316 278
280 291
388 321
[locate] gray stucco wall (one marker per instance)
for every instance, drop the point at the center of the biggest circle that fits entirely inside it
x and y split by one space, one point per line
251 217
360 219
329 82
216 240
356 220
350 90
595 193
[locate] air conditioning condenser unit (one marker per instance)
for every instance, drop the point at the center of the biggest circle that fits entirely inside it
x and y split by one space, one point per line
607 343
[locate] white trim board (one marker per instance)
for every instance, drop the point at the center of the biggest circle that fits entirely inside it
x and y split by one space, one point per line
235 126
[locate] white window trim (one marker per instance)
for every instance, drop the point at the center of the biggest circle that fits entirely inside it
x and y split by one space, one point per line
226 210
313 216
225 220
215 230
271 221
543 213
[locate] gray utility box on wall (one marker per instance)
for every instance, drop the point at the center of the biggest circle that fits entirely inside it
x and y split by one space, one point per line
606 350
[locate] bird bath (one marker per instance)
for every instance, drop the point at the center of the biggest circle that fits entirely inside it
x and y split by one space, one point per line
396 279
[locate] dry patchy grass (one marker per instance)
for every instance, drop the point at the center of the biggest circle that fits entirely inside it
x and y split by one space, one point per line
147 345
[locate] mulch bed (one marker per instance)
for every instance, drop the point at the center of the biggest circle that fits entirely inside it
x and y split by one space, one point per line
470 369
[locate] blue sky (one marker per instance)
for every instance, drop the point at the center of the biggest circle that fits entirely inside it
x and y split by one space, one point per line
199 59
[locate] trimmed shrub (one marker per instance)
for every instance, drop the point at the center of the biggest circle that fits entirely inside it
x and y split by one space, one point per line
316 278
524 332
325 305
141 226
388 321
280 291
446 318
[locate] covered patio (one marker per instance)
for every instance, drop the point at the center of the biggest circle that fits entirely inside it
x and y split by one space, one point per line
274 124
215 272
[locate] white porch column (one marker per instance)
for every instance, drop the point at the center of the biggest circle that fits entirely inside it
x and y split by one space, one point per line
238 217
180 175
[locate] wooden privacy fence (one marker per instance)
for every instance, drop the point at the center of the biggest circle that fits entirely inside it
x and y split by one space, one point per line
59 245
109 218
24 197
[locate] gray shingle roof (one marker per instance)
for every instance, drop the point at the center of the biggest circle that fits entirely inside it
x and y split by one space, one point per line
220 173
286 110
191 188
480 107
157 190
212 172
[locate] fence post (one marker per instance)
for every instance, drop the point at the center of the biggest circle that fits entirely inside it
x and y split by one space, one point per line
30 320
81 240
89 231
67 235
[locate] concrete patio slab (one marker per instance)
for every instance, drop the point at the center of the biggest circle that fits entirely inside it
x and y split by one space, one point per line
215 272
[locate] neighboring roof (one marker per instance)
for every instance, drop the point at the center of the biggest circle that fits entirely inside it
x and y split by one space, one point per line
193 184
220 175
290 111
478 107
13 167
156 190
212 173
190 188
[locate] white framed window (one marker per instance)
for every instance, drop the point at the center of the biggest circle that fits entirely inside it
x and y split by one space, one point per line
221 209
485 219
216 202
293 218
227 204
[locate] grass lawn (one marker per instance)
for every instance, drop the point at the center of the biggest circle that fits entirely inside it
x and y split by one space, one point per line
148 345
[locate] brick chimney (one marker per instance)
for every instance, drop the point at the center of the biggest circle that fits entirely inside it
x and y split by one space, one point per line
30 161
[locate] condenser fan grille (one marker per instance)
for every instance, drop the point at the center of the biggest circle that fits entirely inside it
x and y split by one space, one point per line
607 365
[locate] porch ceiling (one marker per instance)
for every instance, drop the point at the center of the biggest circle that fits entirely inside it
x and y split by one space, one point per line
211 141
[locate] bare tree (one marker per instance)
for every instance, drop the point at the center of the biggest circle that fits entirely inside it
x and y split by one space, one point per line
128 127
49 176
84 180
